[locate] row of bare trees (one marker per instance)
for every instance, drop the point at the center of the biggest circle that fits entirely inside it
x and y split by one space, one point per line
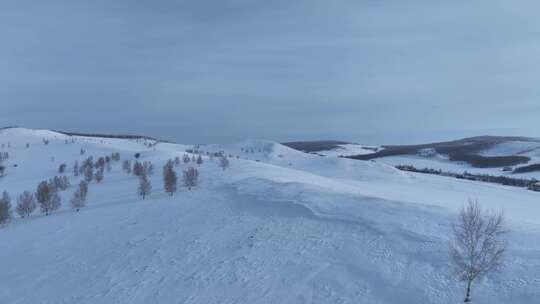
49 200
46 195
190 176
170 179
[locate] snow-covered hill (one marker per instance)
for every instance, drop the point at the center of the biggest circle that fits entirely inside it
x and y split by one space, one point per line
278 226
437 155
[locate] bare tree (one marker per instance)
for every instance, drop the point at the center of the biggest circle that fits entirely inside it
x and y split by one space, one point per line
88 173
79 197
5 208
99 175
4 156
77 201
224 162
145 188
126 166
190 177
170 179
83 189
88 162
115 156
25 204
478 246
148 168
138 169
59 183
87 169
2 167
43 194
56 202
76 169
48 198
186 158
100 163
65 182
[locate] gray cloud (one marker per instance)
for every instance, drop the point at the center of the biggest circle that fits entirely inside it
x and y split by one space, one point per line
200 71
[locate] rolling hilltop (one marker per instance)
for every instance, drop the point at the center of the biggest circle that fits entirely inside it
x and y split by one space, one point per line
276 226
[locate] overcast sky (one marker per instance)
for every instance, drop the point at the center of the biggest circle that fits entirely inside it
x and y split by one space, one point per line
371 71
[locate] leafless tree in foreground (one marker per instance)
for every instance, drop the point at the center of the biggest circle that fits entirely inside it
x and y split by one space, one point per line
478 246
26 204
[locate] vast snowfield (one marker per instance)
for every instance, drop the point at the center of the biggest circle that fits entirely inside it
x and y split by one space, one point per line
277 226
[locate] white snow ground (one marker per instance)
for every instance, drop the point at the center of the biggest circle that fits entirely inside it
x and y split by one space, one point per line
278 226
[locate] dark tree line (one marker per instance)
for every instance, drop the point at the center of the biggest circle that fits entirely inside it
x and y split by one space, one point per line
531 184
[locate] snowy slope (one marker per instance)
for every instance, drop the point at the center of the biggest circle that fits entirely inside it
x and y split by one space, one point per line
435 155
530 149
278 226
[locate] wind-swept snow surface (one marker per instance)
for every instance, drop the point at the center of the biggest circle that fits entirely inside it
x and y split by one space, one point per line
277 226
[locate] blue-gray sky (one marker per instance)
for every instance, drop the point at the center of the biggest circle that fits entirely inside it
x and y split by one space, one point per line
372 71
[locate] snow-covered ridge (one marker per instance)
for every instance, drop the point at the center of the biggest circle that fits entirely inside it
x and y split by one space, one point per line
277 226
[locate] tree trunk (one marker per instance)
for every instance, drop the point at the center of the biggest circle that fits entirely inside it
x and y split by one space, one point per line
468 296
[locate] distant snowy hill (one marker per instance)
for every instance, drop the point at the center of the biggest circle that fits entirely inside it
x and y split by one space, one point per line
277 226
517 157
